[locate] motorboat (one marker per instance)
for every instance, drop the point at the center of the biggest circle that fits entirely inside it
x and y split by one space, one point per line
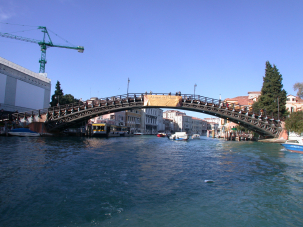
179 136
195 136
161 134
138 133
294 146
23 132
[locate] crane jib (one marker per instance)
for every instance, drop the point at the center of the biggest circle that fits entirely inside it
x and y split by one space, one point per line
42 44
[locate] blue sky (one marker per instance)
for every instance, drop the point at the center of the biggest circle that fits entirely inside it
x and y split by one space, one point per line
160 45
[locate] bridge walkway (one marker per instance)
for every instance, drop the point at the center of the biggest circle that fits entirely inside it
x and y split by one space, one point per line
63 116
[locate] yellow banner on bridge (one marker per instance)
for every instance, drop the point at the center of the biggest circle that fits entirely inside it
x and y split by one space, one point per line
162 100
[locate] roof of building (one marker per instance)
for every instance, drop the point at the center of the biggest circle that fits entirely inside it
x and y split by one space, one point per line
241 100
40 76
298 99
212 123
173 111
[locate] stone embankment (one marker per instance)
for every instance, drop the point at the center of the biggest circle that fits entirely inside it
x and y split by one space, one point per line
282 137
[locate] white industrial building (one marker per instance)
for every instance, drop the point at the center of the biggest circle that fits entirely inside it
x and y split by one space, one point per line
21 89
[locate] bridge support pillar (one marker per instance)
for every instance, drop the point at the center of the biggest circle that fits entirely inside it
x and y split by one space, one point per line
38 127
283 134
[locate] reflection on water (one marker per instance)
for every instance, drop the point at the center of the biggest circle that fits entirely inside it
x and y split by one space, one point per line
148 181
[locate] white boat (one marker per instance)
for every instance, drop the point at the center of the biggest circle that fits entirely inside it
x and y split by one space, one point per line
138 133
23 132
195 136
179 136
294 145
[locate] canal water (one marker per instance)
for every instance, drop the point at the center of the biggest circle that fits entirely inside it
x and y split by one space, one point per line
148 181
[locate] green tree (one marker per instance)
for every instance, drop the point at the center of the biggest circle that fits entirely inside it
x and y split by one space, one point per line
299 87
294 123
241 128
273 96
59 98
68 98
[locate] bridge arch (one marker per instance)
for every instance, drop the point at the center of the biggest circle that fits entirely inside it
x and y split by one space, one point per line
59 118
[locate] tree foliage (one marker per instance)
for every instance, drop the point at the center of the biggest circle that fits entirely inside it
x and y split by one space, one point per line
299 88
241 128
294 123
273 96
68 98
59 98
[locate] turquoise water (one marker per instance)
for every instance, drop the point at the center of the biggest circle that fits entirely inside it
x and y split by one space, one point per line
148 181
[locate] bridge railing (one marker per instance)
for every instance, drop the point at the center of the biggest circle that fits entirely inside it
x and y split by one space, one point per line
140 96
186 98
40 112
30 113
193 98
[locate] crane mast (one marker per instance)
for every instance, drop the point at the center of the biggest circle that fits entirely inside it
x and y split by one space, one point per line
43 45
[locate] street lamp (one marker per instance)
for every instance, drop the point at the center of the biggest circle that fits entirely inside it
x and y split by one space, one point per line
195 90
57 97
278 109
127 86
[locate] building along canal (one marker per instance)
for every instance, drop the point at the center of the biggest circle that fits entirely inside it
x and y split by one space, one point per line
148 181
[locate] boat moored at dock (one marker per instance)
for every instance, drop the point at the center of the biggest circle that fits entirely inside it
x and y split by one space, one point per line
109 130
23 132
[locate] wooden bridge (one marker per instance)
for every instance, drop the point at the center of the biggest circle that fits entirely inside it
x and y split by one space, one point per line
61 117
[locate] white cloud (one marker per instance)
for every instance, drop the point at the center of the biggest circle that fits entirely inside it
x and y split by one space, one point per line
4 16
7 11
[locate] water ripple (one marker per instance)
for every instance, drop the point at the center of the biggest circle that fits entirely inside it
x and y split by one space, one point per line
148 181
